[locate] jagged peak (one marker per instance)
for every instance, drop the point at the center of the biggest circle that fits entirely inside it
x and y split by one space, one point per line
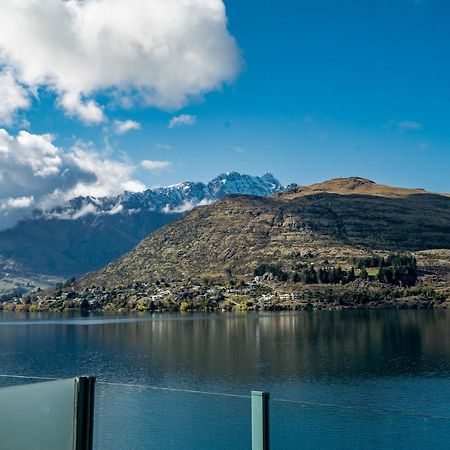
185 195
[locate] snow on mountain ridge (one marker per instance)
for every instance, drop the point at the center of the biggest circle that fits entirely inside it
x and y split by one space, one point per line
177 197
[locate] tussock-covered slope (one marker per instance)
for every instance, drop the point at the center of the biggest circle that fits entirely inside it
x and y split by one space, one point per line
350 186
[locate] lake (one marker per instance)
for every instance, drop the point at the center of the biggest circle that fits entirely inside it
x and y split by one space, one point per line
337 379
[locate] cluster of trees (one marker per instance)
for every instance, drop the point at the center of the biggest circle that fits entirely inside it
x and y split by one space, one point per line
398 275
396 269
335 275
8 297
16 293
393 260
309 275
68 283
276 271
306 276
371 261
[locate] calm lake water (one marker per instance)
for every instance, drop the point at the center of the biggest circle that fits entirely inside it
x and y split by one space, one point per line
355 379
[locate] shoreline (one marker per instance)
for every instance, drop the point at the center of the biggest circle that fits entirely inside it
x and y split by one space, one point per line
191 296
389 305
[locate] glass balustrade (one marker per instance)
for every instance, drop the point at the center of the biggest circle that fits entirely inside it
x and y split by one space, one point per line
310 425
143 418
53 415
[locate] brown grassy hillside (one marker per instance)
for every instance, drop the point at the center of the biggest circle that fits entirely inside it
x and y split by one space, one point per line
350 186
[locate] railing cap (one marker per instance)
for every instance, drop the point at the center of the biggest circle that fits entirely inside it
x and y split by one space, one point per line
260 393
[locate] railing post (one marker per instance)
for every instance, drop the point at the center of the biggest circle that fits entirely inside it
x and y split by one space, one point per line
84 412
260 420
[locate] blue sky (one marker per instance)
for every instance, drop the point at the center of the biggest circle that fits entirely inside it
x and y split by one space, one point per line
325 89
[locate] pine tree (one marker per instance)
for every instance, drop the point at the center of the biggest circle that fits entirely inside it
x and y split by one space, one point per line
351 275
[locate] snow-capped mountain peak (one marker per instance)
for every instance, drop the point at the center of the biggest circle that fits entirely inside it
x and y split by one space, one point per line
174 198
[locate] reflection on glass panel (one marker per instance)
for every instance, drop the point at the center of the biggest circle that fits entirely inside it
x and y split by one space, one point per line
132 418
37 416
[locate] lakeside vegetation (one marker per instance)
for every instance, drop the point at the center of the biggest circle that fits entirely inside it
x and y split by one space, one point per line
396 269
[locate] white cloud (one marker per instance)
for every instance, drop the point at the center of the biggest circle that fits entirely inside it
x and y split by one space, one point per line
111 177
409 125
125 126
87 111
16 203
155 166
115 210
85 210
159 53
36 174
186 206
183 119
12 97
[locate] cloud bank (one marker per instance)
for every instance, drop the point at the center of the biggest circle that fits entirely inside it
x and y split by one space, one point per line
36 174
158 53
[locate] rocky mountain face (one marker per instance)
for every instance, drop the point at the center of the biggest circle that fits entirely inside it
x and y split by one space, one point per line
326 224
89 232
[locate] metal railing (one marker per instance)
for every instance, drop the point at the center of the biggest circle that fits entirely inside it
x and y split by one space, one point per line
63 410
84 413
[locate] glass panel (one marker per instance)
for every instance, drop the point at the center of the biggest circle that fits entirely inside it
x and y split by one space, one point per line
309 426
37 416
135 418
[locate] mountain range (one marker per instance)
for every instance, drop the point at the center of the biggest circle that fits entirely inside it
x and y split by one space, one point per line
176 198
88 233
326 224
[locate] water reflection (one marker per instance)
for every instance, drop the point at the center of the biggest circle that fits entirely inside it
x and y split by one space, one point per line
234 350
359 364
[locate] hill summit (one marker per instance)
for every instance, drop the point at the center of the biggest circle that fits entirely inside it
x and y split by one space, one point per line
350 186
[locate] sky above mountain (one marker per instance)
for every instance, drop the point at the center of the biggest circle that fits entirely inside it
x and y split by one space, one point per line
103 96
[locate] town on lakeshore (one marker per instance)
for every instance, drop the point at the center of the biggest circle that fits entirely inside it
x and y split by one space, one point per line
377 282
